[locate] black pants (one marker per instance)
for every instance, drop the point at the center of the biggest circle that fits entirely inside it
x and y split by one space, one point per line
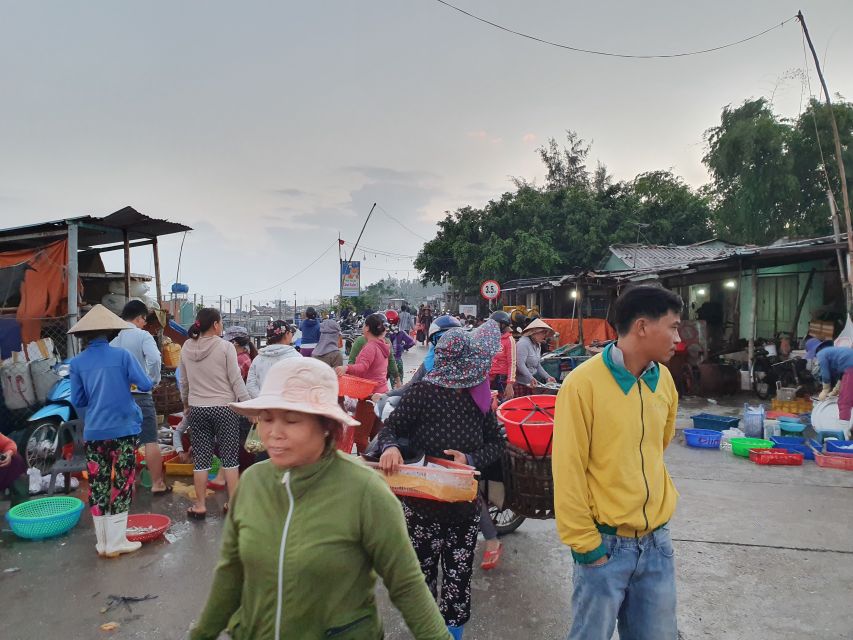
452 544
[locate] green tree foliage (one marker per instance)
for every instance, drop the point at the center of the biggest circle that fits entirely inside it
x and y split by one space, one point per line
768 172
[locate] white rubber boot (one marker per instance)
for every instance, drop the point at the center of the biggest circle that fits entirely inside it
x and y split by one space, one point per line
117 542
100 534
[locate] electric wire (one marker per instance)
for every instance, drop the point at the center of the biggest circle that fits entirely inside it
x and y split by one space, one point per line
611 54
414 233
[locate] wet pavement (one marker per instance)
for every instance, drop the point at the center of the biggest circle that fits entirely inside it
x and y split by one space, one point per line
763 552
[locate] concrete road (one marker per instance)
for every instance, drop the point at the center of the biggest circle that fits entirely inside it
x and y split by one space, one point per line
763 552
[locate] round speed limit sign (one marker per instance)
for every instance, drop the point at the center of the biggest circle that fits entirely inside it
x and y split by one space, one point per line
490 290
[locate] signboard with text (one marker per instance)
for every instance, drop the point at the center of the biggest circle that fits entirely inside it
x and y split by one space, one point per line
350 279
468 309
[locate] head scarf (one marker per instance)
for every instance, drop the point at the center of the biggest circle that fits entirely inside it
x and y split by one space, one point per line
463 358
235 332
330 332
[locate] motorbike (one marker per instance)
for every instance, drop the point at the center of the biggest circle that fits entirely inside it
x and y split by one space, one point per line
42 438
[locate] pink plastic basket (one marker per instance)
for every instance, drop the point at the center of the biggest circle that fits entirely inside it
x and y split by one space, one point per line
354 387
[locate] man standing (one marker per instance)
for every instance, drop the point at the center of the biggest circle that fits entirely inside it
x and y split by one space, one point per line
615 416
142 346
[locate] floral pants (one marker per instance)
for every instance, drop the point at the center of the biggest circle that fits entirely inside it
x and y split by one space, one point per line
451 544
112 472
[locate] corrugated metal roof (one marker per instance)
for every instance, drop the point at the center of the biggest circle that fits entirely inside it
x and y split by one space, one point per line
640 257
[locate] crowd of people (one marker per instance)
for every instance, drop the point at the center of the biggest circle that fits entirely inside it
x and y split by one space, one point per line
310 527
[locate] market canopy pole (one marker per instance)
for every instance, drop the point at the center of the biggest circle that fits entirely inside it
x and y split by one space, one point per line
73 309
363 227
842 176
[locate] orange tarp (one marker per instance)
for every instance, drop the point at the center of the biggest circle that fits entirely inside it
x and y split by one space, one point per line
593 329
44 288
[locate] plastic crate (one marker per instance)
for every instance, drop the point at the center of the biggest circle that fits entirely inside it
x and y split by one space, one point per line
179 468
834 461
451 483
714 422
839 446
781 457
798 445
702 438
742 446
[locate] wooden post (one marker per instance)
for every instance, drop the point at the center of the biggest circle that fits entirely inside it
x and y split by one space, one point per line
73 310
158 285
220 304
842 176
800 305
753 318
579 301
126 265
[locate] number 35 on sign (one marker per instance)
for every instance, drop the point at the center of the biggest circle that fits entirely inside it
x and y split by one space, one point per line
490 290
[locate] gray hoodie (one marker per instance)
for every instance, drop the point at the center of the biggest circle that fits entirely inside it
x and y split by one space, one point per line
263 362
210 375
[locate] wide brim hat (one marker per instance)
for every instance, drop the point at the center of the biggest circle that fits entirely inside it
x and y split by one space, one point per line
537 325
99 318
306 385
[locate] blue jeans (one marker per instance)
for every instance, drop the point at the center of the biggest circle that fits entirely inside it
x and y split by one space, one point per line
634 588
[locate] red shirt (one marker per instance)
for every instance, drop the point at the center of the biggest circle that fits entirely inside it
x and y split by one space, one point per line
7 445
504 362
244 361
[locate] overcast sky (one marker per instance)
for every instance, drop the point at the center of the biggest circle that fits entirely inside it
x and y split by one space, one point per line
269 127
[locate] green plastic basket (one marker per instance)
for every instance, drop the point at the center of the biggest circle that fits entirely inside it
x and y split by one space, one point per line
741 446
45 517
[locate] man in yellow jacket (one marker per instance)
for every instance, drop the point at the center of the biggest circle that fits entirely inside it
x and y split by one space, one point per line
613 496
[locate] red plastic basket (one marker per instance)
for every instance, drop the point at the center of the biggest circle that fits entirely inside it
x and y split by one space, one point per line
354 387
345 439
529 422
144 527
834 461
776 456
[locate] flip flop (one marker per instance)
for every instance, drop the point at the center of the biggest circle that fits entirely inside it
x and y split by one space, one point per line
225 508
491 558
192 514
168 489
215 486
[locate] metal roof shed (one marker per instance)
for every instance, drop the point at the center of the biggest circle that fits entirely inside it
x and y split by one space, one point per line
122 230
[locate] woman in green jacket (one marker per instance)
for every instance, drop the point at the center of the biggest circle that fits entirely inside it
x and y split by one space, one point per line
301 541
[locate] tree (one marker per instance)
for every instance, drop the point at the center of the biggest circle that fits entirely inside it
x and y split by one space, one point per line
566 167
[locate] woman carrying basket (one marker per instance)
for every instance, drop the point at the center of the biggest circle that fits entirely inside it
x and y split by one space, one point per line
448 414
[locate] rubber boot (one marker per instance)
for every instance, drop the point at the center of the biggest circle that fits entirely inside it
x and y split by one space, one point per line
116 540
100 534
456 632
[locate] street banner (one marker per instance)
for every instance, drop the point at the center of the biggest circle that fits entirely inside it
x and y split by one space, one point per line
350 279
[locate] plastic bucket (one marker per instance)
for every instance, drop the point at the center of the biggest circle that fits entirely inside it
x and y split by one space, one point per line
529 423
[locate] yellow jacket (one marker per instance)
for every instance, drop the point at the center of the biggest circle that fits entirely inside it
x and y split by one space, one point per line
610 433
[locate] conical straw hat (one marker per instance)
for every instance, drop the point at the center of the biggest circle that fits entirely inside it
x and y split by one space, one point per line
535 326
99 319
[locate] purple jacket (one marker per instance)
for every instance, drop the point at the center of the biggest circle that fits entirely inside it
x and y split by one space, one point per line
400 341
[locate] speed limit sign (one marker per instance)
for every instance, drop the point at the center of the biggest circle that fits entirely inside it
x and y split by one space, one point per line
490 290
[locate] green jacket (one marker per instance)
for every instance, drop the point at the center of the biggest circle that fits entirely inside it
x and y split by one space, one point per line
315 535
358 345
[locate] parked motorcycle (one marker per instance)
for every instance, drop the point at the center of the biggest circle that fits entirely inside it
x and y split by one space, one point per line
42 439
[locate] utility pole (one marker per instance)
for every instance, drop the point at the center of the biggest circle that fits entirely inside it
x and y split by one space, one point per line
220 304
842 175
363 227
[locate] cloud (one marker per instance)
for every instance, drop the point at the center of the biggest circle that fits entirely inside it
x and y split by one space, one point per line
290 193
386 174
478 135
528 137
496 140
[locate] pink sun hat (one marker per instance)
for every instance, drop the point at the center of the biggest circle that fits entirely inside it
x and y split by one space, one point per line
299 384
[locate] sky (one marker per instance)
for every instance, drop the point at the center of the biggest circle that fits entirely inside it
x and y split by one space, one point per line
270 127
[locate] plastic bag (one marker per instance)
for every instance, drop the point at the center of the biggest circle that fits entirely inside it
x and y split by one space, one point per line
253 441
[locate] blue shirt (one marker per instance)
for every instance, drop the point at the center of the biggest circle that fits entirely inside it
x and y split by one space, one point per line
100 382
310 329
834 361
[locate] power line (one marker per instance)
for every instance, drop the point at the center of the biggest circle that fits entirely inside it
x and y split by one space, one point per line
414 233
298 273
610 53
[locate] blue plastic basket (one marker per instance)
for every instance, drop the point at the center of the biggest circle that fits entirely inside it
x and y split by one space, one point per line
702 438
714 422
45 517
794 444
838 446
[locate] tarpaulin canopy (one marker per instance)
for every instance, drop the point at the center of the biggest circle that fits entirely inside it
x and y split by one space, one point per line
593 329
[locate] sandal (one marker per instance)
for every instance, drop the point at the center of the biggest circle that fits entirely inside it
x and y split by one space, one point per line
225 508
168 489
215 486
192 514
491 558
